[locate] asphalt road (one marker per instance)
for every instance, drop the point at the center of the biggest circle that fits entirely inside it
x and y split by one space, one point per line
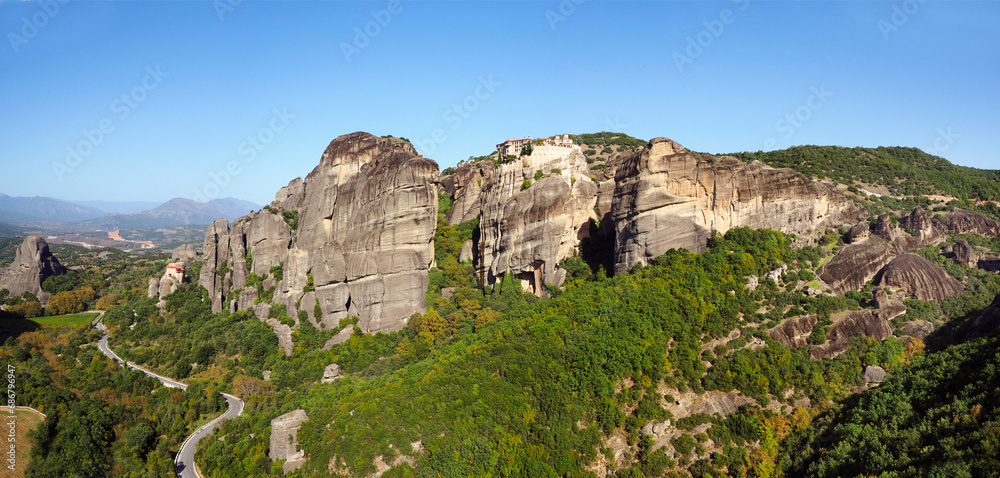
185 456
184 462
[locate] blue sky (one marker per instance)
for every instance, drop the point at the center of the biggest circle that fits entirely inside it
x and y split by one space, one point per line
154 100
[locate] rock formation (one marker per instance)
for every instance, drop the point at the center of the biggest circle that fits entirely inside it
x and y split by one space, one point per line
873 323
884 227
794 331
873 374
961 221
989 263
465 185
918 329
533 211
331 373
861 261
858 233
964 254
920 278
186 251
33 263
284 440
867 323
926 231
666 197
361 245
172 278
856 264
888 308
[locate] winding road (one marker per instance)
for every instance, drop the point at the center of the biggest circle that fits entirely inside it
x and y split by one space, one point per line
184 462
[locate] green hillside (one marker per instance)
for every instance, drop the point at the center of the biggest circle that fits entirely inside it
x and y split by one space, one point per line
903 171
937 416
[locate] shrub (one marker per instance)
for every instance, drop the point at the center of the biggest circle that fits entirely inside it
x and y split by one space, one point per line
683 445
292 218
26 310
309 283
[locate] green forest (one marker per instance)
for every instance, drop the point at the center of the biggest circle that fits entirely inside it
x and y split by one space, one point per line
903 171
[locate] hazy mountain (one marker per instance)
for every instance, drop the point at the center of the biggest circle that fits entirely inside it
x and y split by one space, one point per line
120 207
42 209
176 212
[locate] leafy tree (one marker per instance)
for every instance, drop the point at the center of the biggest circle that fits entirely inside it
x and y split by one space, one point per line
71 302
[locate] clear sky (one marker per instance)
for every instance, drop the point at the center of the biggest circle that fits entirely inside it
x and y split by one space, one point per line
154 100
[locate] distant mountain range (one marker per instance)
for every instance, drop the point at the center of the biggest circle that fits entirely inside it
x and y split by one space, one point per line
43 209
116 215
120 207
176 212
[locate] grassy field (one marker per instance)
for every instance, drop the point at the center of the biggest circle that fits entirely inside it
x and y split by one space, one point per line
15 327
26 421
71 320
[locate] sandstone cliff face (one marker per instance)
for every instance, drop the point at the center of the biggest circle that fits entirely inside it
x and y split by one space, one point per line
666 197
920 278
526 232
364 237
366 233
960 221
33 263
215 276
187 251
465 185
